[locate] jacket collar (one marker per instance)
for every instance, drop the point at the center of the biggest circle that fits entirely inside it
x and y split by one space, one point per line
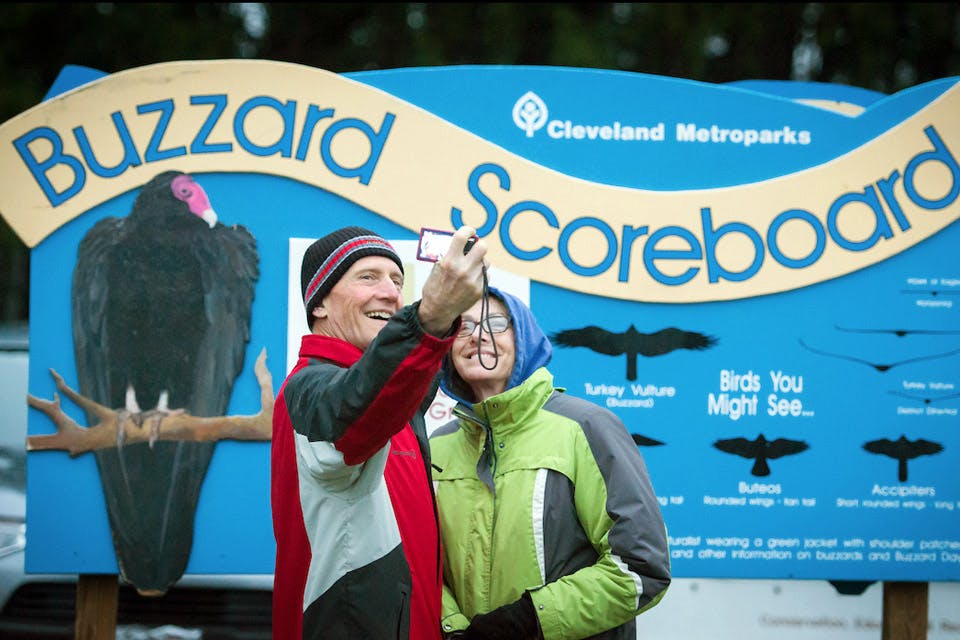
335 350
510 410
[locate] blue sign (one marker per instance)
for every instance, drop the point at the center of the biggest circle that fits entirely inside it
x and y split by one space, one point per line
759 278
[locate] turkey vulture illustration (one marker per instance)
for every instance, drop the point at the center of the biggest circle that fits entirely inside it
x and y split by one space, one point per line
161 306
760 450
902 450
632 343
879 367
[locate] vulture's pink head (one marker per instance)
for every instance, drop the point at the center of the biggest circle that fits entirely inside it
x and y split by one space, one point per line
184 188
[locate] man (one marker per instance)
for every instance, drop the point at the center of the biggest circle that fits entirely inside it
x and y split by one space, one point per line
354 514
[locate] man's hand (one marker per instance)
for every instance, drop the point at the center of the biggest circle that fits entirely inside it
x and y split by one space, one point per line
455 283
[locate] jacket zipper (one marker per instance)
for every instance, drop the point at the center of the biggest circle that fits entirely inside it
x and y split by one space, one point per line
488 442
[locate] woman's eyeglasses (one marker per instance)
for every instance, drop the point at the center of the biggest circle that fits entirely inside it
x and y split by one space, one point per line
491 324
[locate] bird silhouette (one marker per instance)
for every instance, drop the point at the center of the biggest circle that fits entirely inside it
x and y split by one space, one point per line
760 450
162 302
932 292
902 450
644 441
632 343
879 367
925 399
900 332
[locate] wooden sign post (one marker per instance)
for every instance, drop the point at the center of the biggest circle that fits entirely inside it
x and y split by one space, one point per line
905 610
96 617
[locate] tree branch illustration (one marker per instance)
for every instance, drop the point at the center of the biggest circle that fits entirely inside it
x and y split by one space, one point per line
116 426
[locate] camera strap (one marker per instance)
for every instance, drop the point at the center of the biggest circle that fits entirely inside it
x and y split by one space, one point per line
485 320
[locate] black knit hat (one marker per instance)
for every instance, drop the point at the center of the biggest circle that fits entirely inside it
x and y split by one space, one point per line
327 259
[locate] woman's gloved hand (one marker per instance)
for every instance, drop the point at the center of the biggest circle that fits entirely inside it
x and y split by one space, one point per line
514 621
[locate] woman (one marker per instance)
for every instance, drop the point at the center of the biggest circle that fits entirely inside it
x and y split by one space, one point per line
549 524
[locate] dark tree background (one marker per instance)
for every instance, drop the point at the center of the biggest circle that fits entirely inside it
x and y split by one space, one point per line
881 46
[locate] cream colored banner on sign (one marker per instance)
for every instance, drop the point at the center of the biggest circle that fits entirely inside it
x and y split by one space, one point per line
813 225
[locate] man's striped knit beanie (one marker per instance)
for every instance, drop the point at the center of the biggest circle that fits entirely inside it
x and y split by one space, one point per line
327 259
